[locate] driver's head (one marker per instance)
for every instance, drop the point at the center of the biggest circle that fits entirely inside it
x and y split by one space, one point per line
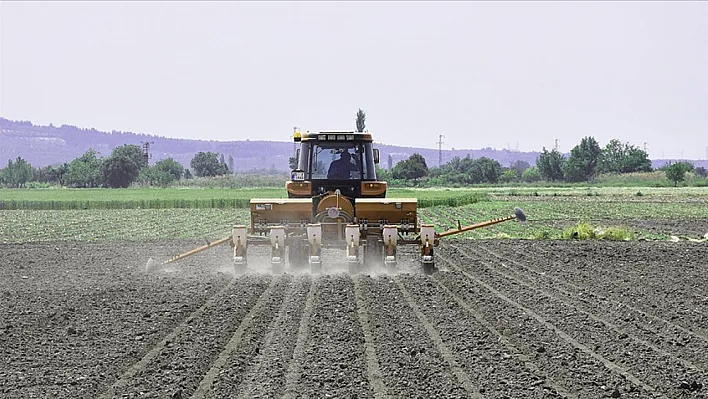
346 155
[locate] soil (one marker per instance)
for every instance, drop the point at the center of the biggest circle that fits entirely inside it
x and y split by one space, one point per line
499 319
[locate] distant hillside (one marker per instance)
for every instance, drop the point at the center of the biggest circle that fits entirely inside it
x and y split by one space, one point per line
50 145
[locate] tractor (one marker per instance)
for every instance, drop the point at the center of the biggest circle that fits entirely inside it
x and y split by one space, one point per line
335 200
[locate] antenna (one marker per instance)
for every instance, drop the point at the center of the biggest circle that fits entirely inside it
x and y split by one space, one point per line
440 143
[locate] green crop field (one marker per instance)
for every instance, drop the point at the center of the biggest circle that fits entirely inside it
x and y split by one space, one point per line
168 198
646 212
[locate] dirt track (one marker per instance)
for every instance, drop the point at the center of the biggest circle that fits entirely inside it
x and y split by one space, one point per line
501 319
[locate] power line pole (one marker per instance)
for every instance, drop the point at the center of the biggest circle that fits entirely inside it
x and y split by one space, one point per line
556 146
440 143
146 150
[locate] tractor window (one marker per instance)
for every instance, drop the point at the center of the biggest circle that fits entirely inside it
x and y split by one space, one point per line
340 161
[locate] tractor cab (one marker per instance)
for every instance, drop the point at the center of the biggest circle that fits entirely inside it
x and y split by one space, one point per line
335 160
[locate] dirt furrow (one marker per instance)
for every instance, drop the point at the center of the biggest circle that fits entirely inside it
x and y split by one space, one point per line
567 360
477 349
411 364
373 367
140 366
265 378
462 377
334 361
74 316
294 371
179 366
658 368
678 338
543 379
656 280
228 371
657 335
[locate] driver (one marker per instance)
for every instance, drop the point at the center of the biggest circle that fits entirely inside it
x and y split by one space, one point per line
341 168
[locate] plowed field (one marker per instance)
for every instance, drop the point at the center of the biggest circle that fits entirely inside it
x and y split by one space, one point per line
500 319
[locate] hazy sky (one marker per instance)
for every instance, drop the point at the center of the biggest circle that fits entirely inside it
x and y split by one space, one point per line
484 74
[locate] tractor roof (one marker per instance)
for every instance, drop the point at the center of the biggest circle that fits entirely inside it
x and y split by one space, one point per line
333 135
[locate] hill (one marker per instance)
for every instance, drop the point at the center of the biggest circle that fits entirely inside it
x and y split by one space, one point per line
51 145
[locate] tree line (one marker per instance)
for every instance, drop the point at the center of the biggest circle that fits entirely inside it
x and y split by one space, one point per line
585 161
127 164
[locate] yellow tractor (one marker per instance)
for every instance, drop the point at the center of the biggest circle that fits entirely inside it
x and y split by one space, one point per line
335 200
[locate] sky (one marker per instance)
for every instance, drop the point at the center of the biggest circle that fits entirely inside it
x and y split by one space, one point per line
499 74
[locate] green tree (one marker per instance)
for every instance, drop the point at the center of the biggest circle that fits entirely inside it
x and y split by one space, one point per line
485 170
519 167
531 175
619 157
61 171
360 121
155 177
231 163
382 174
207 164
550 165
464 171
677 172
17 173
133 152
47 174
171 167
508 176
412 168
582 163
119 171
84 171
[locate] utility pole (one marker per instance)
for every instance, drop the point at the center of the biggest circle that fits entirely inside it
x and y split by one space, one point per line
556 146
146 150
440 143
